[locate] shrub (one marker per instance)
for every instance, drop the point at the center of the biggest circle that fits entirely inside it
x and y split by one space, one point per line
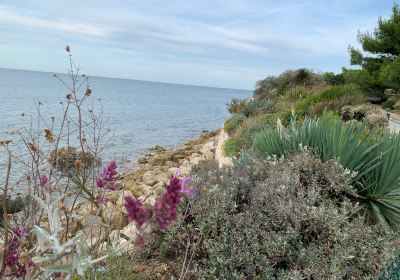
232 147
328 94
389 104
297 93
366 113
334 105
375 158
71 162
284 219
233 122
288 79
334 79
236 105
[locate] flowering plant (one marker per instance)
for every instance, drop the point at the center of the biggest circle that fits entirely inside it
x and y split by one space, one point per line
164 211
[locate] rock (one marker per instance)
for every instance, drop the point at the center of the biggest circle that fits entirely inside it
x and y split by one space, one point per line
172 171
142 160
178 157
184 170
149 178
120 200
162 177
146 190
159 148
114 215
150 200
208 155
130 230
195 160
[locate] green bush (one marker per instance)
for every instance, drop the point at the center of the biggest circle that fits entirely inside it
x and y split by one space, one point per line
284 219
366 113
232 147
389 104
297 93
273 85
334 105
234 122
236 105
328 94
375 158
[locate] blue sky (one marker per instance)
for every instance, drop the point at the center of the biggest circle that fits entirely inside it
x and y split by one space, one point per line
222 43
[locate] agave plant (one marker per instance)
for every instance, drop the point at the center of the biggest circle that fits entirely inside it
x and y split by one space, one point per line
376 160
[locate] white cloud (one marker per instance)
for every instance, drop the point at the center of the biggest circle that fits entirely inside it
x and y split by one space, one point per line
8 17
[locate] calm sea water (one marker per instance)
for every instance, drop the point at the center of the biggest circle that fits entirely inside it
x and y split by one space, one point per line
140 114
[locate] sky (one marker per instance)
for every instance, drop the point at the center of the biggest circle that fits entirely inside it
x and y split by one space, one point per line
218 43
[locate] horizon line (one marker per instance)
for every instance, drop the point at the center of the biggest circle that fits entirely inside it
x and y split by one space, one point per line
131 79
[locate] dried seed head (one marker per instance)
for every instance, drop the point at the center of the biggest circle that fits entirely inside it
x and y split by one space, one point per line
67 49
88 92
33 147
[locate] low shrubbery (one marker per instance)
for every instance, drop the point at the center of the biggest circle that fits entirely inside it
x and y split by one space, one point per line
232 147
375 158
233 122
329 94
281 219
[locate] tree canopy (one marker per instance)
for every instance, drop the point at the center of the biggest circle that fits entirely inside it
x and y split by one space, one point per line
380 59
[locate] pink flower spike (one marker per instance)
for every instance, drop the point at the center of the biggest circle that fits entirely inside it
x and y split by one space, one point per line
99 183
135 211
112 187
43 181
102 198
139 241
186 181
189 192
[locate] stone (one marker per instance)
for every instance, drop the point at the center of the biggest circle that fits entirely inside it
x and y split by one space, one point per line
130 230
159 148
172 171
149 178
120 201
142 160
150 200
162 177
146 190
184 170
208 155
115 216
195 160
178 157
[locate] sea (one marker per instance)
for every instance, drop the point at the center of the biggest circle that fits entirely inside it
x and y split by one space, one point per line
136 115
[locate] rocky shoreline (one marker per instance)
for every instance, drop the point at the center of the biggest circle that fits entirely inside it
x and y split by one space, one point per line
146 182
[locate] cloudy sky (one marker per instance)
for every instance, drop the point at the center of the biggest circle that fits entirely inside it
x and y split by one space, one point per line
222 43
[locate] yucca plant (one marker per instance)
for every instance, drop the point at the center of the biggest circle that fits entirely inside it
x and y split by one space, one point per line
376 160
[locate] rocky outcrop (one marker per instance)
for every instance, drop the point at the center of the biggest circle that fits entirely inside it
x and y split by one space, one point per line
147 182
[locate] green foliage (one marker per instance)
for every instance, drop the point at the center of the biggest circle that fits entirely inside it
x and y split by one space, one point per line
328 94
273 85
236 105
388 104
234 122
334 105
232 147
297 93
334 79
366 113
380 66
282 219
375 158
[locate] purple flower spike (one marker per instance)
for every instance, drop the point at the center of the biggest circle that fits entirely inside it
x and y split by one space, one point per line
99 183
110 171
43 181
135 211
112 187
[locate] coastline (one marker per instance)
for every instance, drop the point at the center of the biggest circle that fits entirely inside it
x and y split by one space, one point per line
146 182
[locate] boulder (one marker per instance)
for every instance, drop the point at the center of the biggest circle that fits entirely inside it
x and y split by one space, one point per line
149 178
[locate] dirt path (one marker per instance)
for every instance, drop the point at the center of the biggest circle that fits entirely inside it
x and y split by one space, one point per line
394 122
